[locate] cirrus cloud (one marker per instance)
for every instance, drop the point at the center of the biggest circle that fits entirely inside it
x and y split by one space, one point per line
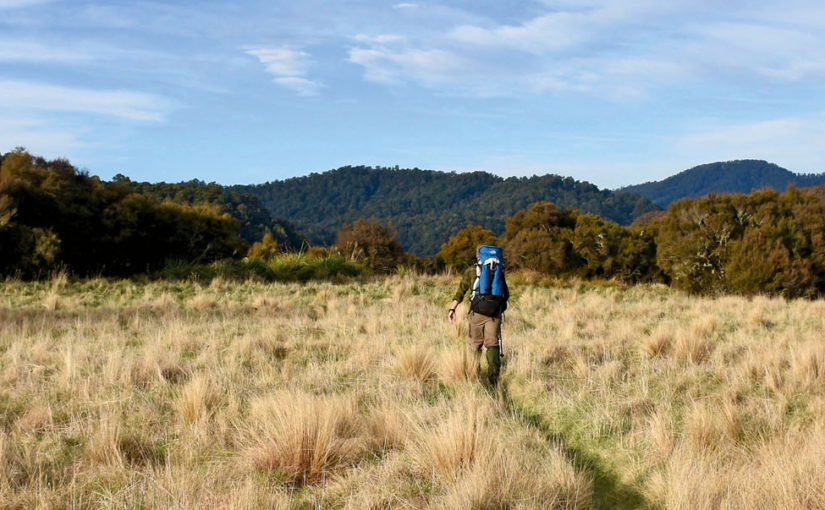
28 96
290 67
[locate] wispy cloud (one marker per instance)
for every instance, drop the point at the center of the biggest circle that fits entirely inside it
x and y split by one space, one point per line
26 51
405 5
13 4
390 65
568 50
619 50
300 85
290 67
282 61
777 52
561 29
381 38
26 96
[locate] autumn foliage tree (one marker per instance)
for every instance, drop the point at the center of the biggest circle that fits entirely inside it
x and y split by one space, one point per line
372 244
460 250
265 249
612 251
764 242
540 238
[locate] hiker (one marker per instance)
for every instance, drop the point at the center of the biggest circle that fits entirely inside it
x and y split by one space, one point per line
488 301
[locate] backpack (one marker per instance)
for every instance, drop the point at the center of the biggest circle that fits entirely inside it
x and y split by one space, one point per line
489 296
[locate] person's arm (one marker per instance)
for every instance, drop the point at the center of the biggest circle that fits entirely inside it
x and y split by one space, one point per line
463 287
451 313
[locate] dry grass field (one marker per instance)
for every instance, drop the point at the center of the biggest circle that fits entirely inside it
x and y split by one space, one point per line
361 395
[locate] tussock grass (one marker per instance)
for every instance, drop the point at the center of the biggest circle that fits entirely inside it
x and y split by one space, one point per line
658 342
418 363
197 400
188 394
445 450
459 364
303 437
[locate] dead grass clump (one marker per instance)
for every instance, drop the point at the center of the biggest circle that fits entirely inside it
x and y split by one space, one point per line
163 303
303 437
691 479
520 479
783 473
37 419
104 444
272 348
196 400
691 347
479 462
759 319
808 365
657 343
610 372
555 355
137 450
251 494
417 363
774 379
789 473
158 365
12 473
444 450
202 302
265 303
705 326
388 428
53 302
659 436
710 426
219 283
460 364
387 484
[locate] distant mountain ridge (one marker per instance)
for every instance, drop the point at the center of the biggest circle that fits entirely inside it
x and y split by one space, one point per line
427 207
740 176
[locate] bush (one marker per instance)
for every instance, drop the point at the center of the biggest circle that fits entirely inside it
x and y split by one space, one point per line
541 239
265 249
371 244
460 251
763 242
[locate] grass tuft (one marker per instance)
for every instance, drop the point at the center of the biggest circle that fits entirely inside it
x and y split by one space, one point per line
303 437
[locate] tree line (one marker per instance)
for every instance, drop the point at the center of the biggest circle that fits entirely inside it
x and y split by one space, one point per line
762 242
54 216
426 207
741 176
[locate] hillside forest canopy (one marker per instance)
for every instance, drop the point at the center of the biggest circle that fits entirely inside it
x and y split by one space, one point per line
741 176
426 207
56 217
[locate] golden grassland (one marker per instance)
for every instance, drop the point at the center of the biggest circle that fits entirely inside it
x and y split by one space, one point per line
361 395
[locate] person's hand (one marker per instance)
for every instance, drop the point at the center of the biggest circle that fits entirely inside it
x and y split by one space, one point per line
451 315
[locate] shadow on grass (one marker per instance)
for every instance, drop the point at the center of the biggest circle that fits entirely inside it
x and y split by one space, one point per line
608 490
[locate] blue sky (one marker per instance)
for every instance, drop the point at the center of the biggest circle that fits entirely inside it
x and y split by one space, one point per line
611 92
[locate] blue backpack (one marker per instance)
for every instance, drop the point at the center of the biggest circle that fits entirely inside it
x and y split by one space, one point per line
490 293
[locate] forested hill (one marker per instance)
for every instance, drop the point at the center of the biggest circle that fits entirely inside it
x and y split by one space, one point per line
742 176
427 207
